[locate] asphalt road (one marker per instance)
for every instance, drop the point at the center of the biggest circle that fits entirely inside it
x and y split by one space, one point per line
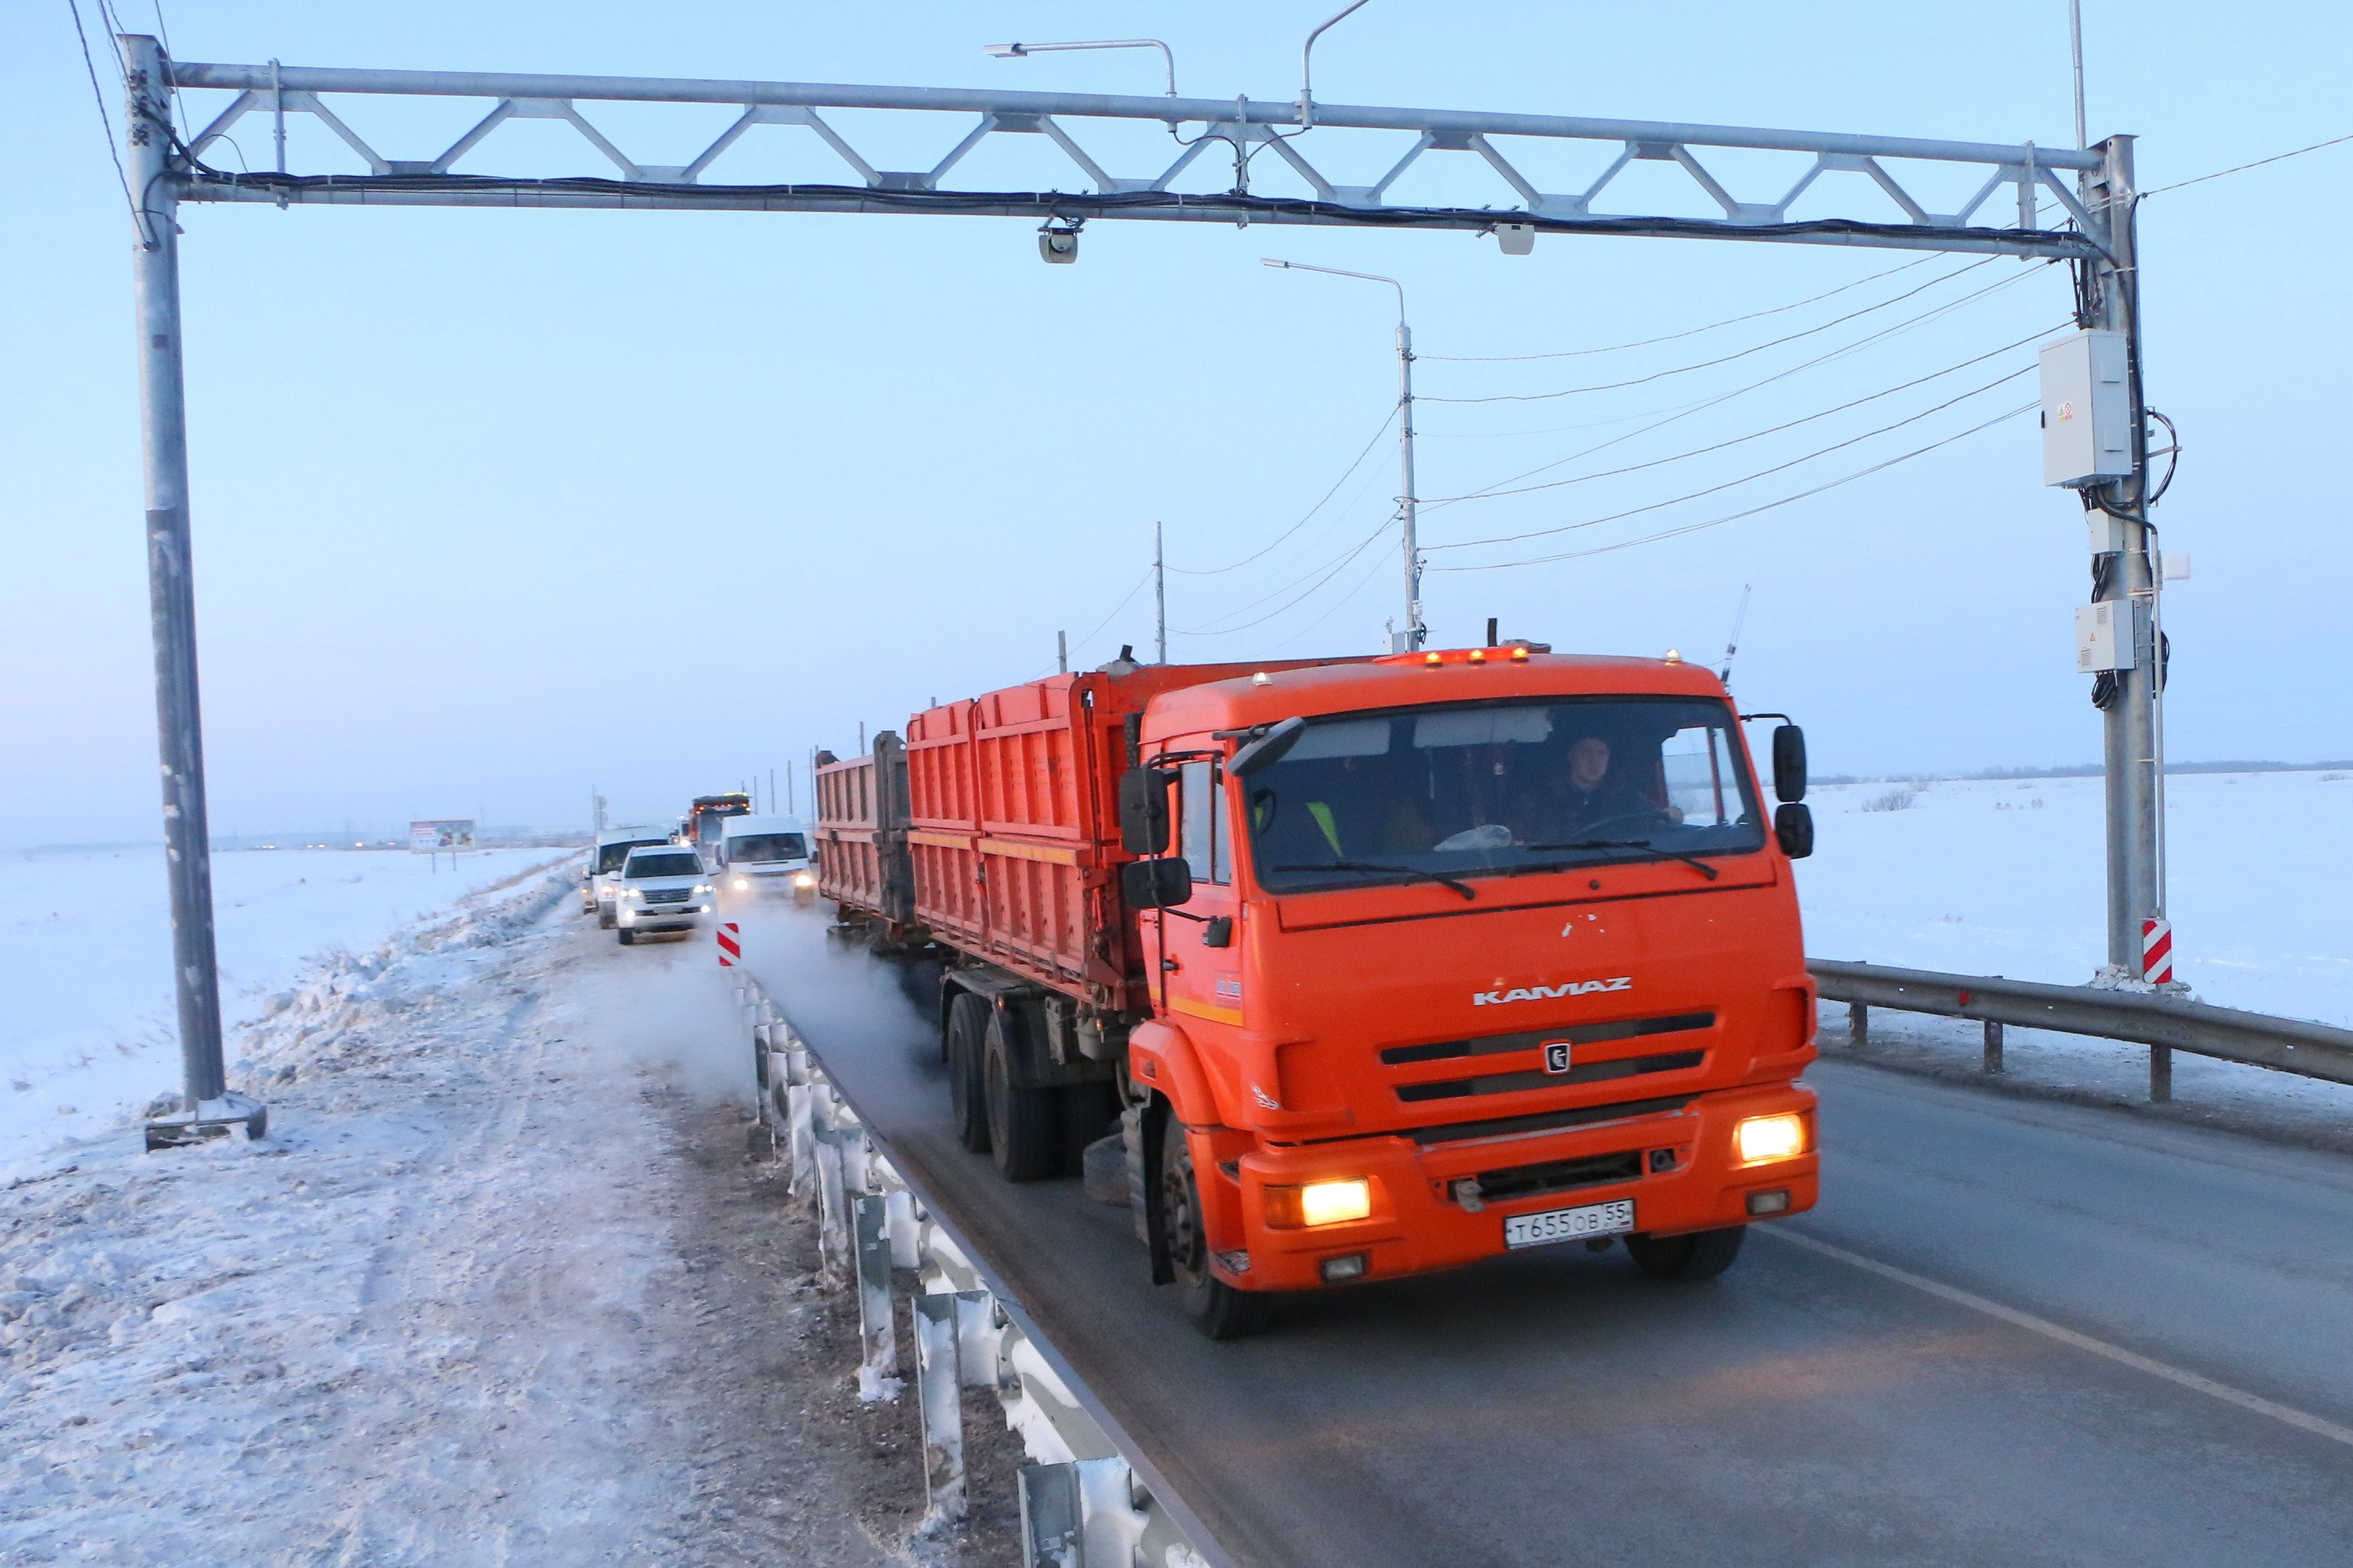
2013 1333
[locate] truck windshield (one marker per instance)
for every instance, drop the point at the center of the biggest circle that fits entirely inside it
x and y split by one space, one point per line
751 849
1497 788
611 856
678 863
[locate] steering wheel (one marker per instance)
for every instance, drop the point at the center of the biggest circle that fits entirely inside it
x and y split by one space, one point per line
1650 814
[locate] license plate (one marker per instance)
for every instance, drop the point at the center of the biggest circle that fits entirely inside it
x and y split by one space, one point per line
1569 1225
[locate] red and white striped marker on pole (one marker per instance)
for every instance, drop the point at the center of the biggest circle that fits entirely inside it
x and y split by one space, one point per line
730 948
2156 952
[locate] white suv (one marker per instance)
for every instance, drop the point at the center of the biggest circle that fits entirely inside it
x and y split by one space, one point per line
662 887
602 885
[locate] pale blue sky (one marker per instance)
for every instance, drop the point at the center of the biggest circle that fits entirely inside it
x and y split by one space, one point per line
491 506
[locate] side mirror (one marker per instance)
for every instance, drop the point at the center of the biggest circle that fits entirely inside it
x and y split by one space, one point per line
1790 764
1793 825
1268 749
1155 884
1143 812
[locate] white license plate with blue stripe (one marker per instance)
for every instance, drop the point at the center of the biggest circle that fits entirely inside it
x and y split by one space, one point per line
1548 1226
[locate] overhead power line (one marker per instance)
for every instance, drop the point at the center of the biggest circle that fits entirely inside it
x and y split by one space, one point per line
2242 168
106 120
1294 528
1907 324
1753 435
1744 478
1722 359
1878 468
1688 331
1325 576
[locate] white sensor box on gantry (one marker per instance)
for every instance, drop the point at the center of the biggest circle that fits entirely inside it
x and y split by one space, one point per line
2086 411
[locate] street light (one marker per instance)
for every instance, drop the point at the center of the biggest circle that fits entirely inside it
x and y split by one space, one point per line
1022 51
1415 634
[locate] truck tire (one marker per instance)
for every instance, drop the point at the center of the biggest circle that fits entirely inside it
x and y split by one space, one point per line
1702 1255
1024 1134
967 1027
1089 1112
1218 1309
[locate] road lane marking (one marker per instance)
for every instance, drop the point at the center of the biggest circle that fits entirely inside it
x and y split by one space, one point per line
2299 1419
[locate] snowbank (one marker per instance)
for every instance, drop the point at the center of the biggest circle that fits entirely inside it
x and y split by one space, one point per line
85 962
2006 876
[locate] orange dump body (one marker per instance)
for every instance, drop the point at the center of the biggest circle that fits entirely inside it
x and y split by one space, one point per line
1561 1038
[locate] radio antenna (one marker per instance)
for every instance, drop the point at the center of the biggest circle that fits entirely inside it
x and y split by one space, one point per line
1732 643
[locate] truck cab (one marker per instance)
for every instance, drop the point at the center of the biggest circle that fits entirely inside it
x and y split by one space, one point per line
765 857
1469 951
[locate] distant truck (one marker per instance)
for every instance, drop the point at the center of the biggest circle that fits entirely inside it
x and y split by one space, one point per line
764 855
1378 965
704 817
600 883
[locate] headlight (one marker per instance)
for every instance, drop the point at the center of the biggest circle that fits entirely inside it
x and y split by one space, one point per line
633 893
741 883
1769 1137
1319 1202
803 879
702 890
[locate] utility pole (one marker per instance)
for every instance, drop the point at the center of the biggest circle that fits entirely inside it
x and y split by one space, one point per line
1414 632
1160 592
206 1108
2124 574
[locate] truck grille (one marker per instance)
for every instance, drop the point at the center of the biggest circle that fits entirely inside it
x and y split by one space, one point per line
1560 1175
1533 1039
1548 1121
1513 1082
669 895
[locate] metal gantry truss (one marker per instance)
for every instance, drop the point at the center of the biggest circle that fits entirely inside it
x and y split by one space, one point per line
2010 183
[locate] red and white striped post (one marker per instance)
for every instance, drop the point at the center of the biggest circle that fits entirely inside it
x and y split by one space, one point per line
2156 951
731 944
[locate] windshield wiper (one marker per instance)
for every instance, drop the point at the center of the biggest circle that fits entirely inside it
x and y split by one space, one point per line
1457 883
1693 861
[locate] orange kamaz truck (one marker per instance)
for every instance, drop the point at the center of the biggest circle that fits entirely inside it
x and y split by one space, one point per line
1374 966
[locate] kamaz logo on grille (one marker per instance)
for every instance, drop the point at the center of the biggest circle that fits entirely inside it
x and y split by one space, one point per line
1544 993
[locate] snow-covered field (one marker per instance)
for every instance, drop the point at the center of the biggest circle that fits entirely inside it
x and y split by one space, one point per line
90 1034
2005 876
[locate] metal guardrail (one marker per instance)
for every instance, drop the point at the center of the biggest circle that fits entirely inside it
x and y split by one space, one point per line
2164 1024
1089 1498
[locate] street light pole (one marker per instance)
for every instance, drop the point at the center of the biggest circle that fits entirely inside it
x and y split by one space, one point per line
1414 632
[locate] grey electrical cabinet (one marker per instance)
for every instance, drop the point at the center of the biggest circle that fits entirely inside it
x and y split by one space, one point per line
2086 411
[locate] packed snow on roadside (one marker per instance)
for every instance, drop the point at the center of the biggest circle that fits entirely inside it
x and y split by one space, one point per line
86 963
2006 876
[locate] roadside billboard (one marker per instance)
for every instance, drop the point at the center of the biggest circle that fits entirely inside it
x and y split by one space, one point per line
449 834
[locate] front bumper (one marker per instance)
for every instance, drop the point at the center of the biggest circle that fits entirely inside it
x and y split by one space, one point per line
659 917
1416 1225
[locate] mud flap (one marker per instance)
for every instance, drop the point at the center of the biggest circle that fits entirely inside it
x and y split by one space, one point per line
1141 1127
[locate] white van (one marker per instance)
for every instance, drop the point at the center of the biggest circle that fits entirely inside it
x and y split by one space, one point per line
760 855
601 882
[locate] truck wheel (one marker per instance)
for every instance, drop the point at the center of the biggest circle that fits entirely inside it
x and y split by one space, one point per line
629 936
968 1023
1217 1309
1089 1112
1702 1255
1024 1133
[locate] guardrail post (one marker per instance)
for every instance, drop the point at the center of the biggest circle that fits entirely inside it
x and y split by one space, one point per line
800 1138
1992 1047
879 1334
1053 1532
979 1335
833 1244
2160 1074
1857 1025
906 1230
943 1407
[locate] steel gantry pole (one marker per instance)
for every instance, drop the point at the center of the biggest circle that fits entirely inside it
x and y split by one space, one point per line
2126 575
1414 632
207 1108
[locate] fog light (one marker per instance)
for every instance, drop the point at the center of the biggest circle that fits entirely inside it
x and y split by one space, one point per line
1770 1136
1775 1202
1340 1270
741 883
1319 1202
